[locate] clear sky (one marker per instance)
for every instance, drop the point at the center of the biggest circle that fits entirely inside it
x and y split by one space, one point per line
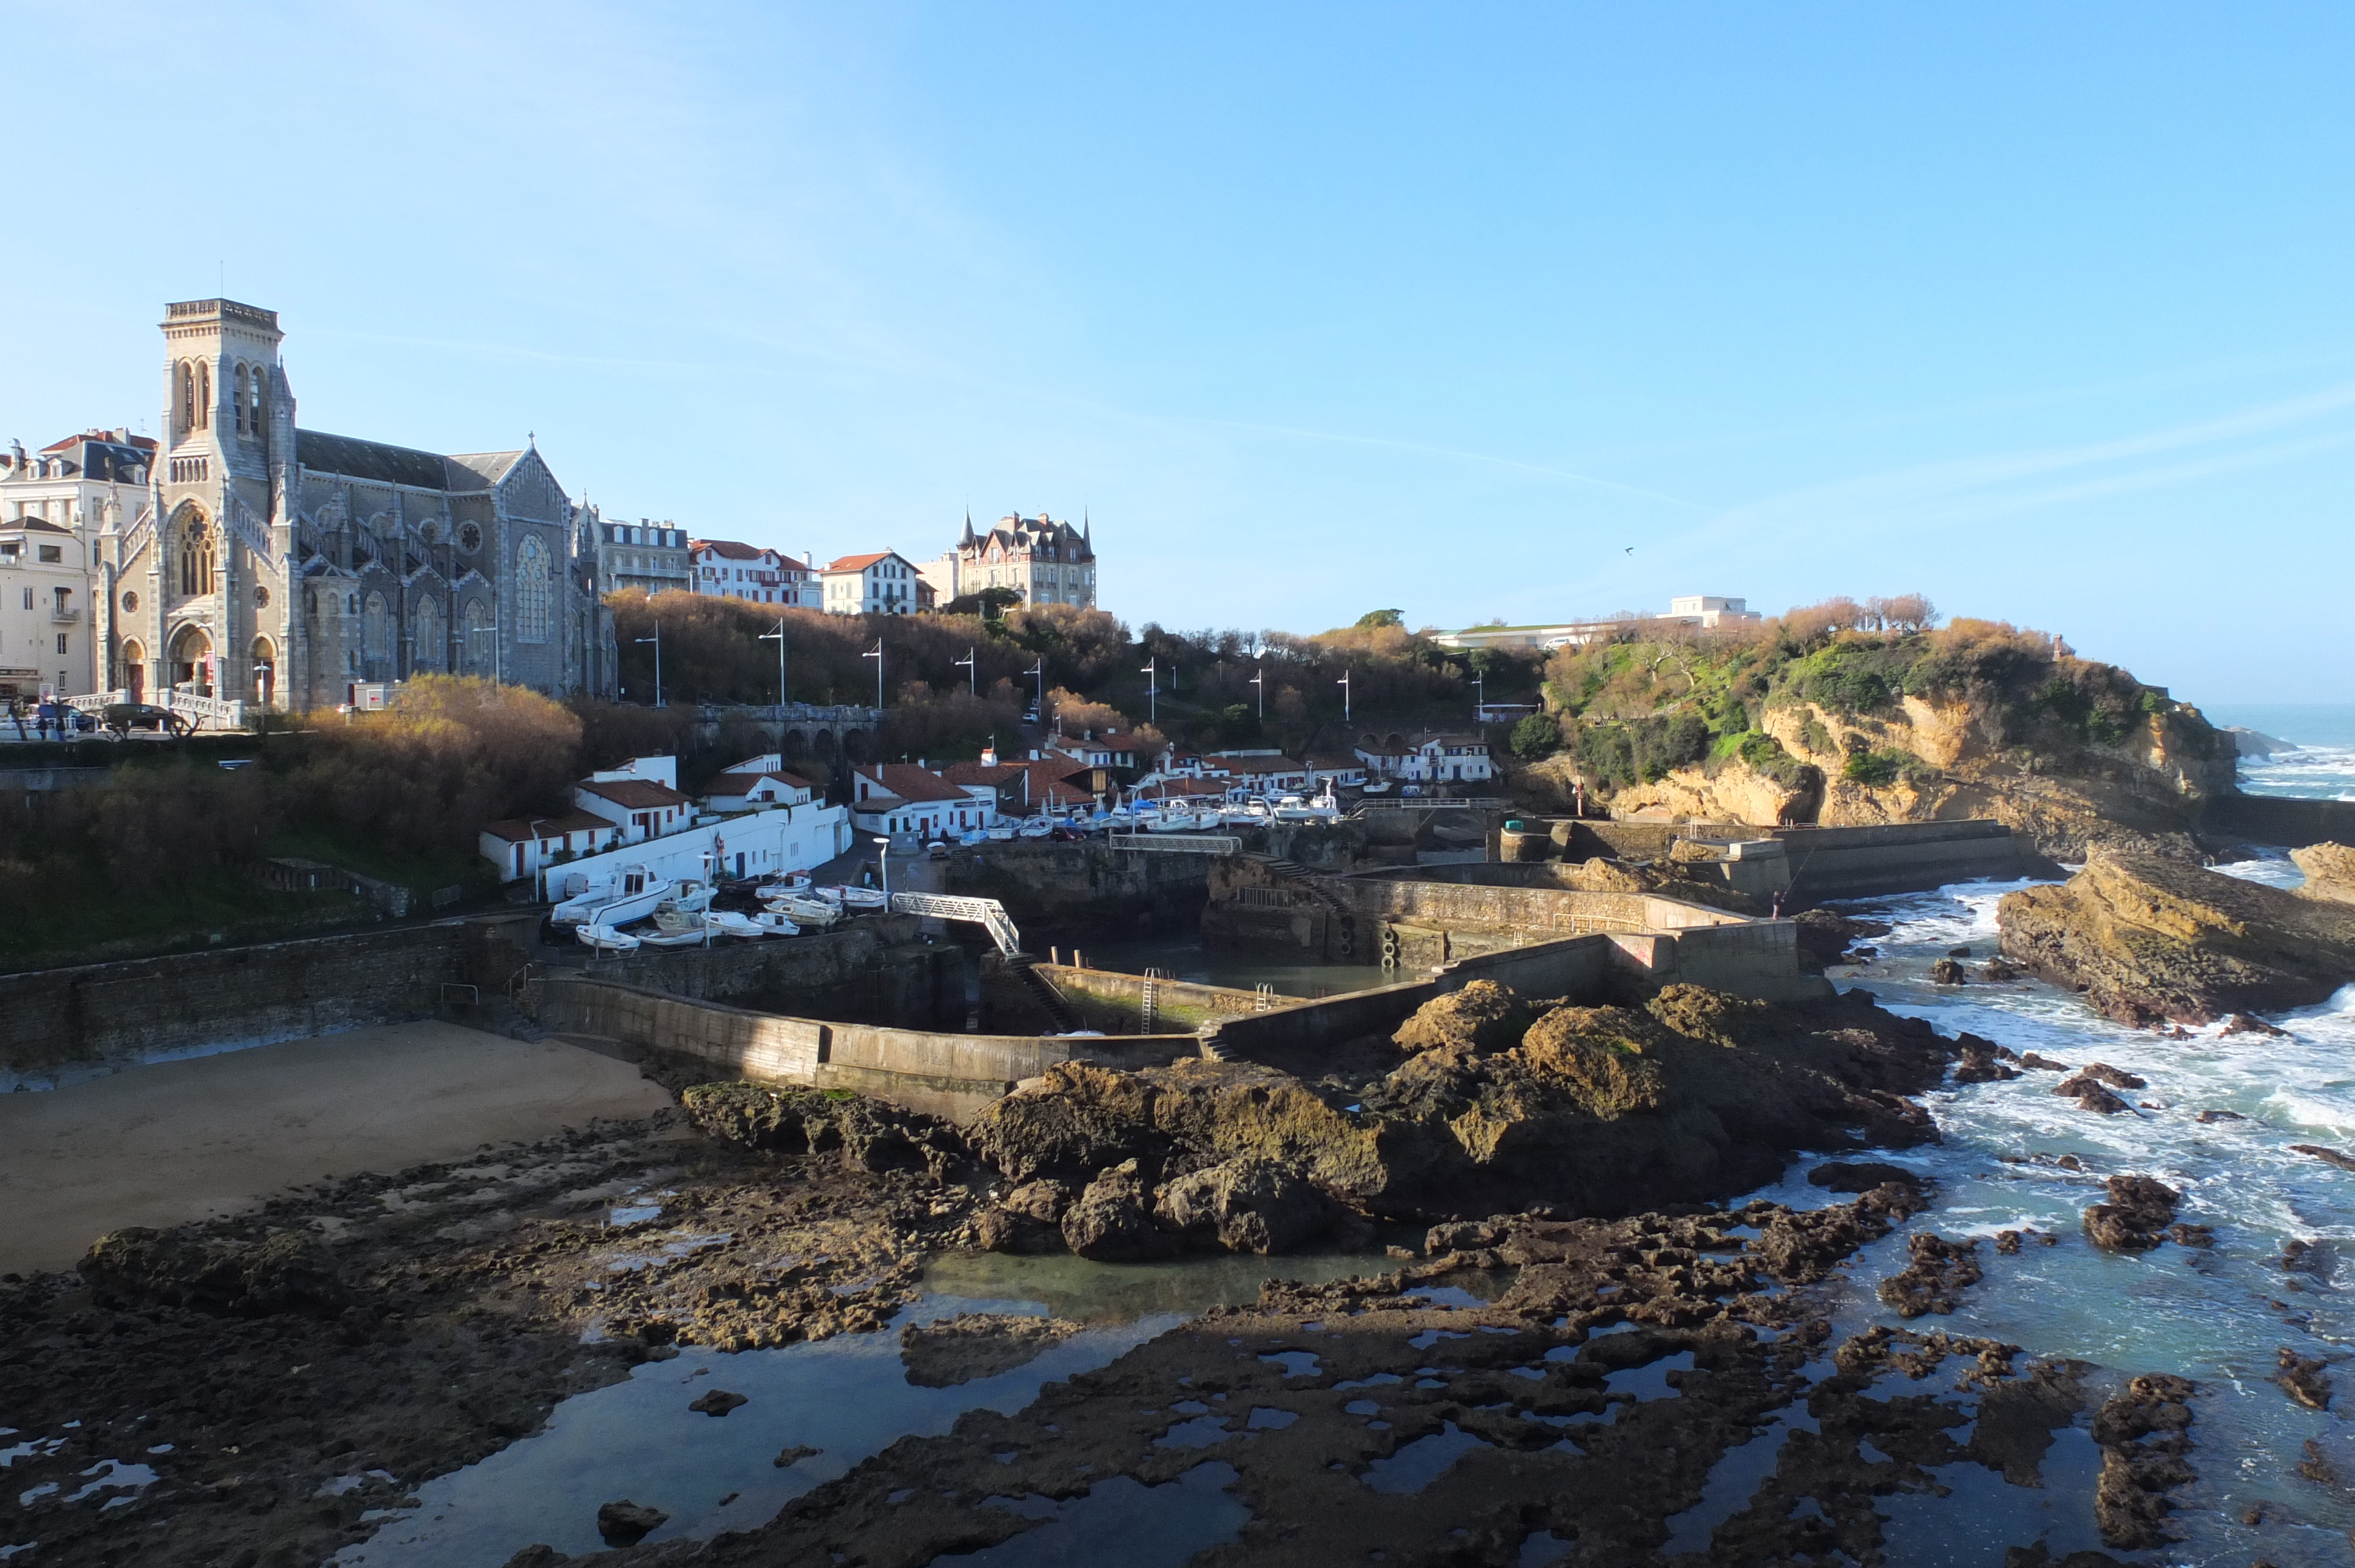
2043 311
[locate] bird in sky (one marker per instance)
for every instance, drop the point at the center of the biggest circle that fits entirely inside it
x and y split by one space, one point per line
1631 549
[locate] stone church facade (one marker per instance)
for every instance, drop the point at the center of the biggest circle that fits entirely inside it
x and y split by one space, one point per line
287 567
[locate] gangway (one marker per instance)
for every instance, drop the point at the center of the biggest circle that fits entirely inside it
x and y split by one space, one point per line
1178 843
986 912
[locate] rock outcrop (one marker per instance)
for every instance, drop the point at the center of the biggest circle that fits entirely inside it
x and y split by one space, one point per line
2330 872
288 1272
869 1134
2152 940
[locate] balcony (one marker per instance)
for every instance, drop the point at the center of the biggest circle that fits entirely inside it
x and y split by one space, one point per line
64 615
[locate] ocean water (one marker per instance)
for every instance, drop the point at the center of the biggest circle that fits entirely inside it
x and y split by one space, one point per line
2322 767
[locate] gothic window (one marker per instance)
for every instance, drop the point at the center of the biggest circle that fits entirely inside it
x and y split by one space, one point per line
130 604
469 538
376 633
196 559
311 603
478 654
238 388
204 394
261 596
253 408
187 396
534 593
426 650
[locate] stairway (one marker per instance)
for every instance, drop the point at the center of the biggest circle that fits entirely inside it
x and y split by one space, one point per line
1043 992
1297 874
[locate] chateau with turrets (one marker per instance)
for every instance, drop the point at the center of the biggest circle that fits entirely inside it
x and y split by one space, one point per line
285 567
1045 561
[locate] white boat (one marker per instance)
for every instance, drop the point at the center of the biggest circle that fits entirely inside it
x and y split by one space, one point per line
864 898
605 938
1168 821
809 911
1036 828
671 919
752 927
632 894
661 939
1293 808
1378 787
782 882
1001 832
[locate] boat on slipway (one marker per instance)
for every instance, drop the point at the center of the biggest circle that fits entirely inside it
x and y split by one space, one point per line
605 938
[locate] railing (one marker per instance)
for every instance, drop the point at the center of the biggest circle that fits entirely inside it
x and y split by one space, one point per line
986 912
136 540
91 702
64 614
1434 803
255 535
1178 843
222 713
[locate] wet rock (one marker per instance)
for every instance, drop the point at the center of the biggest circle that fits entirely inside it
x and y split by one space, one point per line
287 1272
537 1557
2300 1255
1861 1175
2089 1095
1480 1018
2040 1556
2070 1162
1936 1273
2103 1073
869 1134
626 1523
2043 1063
2328 1156
2137 1216
1964 952
2316 1465
1998 969
717 1402
1825 938
788 1458
2192 1235
2210 1117
2155 941
1244 1205
2144 1434
1982 1061
2302 1378
1947 971
2242 1023
976 1345
1043 1200
2017 1418
1112 1220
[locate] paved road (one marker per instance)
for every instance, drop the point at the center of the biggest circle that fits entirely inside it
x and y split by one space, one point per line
187 1140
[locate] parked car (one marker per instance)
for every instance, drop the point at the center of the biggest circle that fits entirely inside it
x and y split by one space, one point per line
122 718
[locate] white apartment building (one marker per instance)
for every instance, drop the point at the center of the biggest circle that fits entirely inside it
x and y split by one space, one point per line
886 583
52 504
723 568
651 557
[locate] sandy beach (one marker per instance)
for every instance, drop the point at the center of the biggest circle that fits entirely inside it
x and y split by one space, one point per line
189 1140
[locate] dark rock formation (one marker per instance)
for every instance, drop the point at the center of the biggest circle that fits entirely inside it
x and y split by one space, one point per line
1112 1222
2103 1073
717 1402
1936 1273
1982 1061
2144 1434
1947 971
2089 1095
1997 970
2137 1216
976 1345
1861 1175
288 1272
1244 1205
2154 941
2242 1023
2043 1063
2326 1155
871 1134
626 1523
1825 938
2301 1377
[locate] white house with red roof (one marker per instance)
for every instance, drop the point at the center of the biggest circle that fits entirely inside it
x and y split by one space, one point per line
633 822
723 568
884 583
759 782
903 797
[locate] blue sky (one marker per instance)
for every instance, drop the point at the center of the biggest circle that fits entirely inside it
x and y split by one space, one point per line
2044 311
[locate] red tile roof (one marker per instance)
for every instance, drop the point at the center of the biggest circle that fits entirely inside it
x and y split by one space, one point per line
730 549
912 783
856 563
636 794
519 830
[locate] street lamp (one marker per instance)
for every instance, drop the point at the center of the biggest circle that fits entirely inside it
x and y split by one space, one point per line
1259 679
883 864
656 641
971 674
1153 689
876 653
1344 683
778 636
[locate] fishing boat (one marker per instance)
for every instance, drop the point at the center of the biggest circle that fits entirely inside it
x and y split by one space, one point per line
808 911
605 938
1000 833
864 897
658 937
1293 808
1036 828
753 928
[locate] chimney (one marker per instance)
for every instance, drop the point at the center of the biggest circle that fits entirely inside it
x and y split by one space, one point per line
989 755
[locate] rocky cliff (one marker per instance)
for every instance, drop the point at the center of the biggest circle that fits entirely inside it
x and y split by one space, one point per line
1852 730
2152 940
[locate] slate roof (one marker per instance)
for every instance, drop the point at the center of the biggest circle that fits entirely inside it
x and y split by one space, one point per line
386 464
484 468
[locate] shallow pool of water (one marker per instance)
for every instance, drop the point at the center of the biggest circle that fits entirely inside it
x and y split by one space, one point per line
1186 957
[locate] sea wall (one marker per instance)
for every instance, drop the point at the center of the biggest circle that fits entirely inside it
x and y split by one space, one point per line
2275 820
1107 998
1905 857
62 1024
945 1073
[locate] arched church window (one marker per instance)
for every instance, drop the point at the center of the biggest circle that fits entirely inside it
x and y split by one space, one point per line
204 394
534 593
253 408
130 604
187 396
195 558
238 388
427 647
376 631
261 595
311 603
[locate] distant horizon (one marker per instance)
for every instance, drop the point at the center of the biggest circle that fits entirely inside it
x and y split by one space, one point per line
1526 313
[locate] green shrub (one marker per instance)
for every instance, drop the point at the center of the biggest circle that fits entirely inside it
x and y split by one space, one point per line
1540 735
1875 769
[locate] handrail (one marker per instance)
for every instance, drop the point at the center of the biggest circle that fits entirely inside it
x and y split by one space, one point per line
986 912
1190 843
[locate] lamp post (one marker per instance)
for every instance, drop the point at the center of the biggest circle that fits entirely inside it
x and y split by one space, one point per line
883 866
1152 673
1038 670
656 641
876 653
1259 679
972 673
1344 683
1479 698
779 636
498 652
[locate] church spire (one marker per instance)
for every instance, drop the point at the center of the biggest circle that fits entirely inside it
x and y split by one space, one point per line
968 538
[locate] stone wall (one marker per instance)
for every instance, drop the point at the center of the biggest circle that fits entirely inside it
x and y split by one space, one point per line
1903 857
59 1025
2272 820
1107 998
951 1074
878 968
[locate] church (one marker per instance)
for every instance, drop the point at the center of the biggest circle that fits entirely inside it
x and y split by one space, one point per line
288 568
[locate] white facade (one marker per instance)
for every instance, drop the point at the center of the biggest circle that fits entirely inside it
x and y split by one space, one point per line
723 568
886 583
45 639
1702 609
645 556
901 797
633 818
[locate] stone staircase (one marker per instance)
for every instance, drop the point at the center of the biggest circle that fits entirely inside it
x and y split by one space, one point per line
1343 919
1044 992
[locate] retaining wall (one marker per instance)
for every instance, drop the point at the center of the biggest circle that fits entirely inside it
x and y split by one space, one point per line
2274 820
947 1074
1451 896
1121 997
65 1022
1903 857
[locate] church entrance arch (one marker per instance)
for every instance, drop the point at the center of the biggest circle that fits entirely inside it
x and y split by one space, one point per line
192 661
134 673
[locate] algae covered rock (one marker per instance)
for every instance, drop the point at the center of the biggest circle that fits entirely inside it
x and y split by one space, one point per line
1244 1205
976 1345
288 1272
870 1134
1480 1017
2151 940
1596 1054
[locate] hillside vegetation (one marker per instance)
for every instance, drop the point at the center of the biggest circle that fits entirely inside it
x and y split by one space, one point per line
1845 714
